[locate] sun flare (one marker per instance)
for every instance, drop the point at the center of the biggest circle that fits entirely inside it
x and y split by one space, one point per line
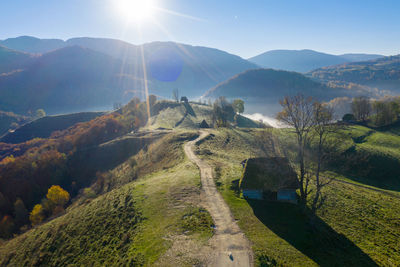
135 10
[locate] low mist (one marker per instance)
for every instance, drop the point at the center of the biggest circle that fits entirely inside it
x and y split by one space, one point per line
266 119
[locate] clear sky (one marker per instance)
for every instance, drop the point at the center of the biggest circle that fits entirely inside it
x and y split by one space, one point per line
242 27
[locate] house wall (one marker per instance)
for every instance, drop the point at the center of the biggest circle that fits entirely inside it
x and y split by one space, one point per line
287 195
252 194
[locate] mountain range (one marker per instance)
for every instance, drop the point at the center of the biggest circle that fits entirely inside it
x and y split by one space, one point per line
96 73
304 60
85 74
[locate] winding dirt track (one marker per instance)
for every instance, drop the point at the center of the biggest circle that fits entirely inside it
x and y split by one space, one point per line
230 246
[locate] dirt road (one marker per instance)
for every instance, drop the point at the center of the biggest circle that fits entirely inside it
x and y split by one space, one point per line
230 246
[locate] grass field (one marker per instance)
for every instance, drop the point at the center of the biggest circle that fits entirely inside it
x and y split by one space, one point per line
357 226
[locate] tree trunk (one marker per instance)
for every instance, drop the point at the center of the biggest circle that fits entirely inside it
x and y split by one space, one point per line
317 181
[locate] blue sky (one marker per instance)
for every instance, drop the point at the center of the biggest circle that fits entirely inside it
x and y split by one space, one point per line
242 27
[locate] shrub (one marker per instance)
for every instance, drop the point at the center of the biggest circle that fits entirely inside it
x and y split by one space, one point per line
348 117
89 193
37 214
6 227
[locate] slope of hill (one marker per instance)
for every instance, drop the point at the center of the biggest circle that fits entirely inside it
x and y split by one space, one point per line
262 89
296 60
68 79
43 127
9 120
360 57
153 220
345 232
304 60
11 60
382 73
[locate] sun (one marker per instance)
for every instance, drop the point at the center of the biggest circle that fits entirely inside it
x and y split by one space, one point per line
135 10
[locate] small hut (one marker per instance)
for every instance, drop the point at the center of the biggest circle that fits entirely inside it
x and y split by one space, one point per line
204 124
184 99
269 178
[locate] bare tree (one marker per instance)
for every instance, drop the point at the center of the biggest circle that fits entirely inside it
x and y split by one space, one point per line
323 127
298 113
175 94
361 107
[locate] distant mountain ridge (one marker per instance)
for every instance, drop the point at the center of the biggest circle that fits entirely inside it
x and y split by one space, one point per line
304 60
11 60
94 73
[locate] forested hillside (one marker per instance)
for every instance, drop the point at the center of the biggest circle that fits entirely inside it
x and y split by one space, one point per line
382 73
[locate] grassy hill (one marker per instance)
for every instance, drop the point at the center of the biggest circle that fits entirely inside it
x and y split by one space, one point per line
155 220
43 127
188 116
356 227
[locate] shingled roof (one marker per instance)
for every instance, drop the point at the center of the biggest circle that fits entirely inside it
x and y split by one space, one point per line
268 174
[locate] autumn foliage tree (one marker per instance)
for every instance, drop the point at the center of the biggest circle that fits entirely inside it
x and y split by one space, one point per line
37 214
57 196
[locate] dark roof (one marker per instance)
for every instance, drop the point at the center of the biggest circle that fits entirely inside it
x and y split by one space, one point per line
270 174
204 124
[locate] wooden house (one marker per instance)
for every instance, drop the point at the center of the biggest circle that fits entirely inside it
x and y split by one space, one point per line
269 178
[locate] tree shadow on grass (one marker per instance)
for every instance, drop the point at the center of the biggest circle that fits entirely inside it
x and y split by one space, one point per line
315 239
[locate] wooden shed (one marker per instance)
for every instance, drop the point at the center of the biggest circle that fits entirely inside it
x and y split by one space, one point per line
269 178
204 124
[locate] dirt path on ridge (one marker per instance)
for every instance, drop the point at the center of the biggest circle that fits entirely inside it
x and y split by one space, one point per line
228 238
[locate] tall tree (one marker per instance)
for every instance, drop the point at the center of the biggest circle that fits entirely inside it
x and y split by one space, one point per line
238 105
21 213
323 127
175 94
361 107
297 113
222 112
40 113
385 112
